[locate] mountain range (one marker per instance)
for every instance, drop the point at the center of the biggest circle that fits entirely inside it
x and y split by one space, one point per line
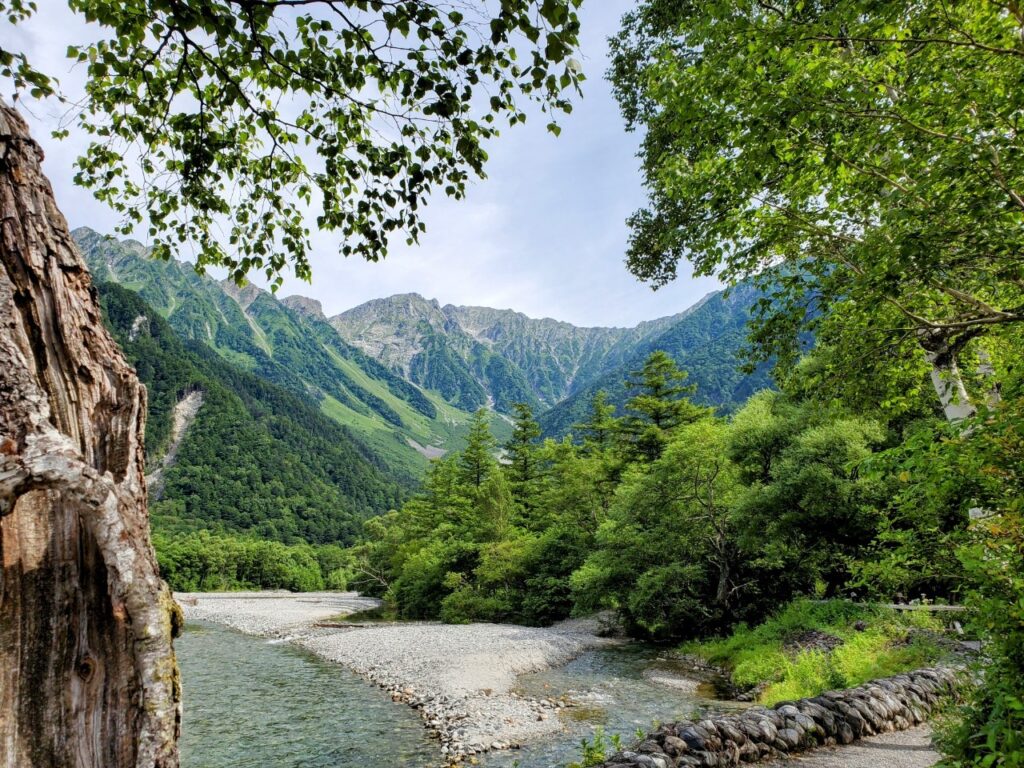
401 375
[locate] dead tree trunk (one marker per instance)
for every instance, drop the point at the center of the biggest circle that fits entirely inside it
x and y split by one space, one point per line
87 671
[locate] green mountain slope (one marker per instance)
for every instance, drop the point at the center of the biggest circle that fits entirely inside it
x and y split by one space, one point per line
478 355
290 344
555 358
704 341
257 458
404 373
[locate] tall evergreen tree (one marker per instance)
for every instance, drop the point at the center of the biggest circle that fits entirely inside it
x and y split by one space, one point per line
521 450
599 429
658 406
477 460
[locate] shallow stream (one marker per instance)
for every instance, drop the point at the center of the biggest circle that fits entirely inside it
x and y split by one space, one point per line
250 702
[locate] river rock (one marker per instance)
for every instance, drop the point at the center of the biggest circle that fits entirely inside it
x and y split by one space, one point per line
834 717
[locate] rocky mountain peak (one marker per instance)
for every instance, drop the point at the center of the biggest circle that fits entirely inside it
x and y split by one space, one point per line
305 306
245 295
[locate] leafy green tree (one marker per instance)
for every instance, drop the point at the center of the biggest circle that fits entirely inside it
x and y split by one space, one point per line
477 460
667 557
991 453
861 146
521 453
658 407
577 487
808 508
496 508
924 519
364 107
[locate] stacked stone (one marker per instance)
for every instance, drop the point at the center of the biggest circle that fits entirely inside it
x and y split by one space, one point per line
835 717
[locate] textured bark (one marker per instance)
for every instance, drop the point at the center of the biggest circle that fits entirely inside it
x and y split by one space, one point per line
87 670
940 351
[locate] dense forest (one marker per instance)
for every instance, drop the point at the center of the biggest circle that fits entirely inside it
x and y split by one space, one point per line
260 467
684 521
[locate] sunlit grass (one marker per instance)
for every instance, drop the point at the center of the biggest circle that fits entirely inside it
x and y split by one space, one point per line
875 643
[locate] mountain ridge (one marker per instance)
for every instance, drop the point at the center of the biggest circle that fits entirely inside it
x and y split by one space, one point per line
553 356
405 372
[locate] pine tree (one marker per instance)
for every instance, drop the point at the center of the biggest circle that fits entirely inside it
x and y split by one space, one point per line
521 450
658 407
477 460
600 428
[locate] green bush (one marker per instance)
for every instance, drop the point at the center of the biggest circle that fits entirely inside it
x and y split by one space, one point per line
990 730
595 752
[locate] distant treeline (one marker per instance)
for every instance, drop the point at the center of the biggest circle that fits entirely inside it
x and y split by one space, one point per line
210 562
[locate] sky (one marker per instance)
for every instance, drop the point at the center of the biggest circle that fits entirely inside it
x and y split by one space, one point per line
545 233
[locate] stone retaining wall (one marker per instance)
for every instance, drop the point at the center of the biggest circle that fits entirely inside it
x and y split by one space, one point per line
835 717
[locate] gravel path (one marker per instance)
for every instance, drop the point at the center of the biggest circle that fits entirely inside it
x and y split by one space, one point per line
459 677
901 749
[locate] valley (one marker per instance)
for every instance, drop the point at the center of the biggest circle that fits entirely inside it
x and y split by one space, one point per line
400 376
405 523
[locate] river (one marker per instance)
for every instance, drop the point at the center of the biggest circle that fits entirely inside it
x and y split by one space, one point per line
253 702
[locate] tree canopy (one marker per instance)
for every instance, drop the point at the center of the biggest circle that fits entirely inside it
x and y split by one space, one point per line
234 116
870 150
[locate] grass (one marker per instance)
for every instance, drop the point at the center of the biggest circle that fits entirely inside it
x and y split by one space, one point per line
876 642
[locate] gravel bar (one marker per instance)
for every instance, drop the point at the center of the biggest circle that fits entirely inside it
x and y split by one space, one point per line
459 677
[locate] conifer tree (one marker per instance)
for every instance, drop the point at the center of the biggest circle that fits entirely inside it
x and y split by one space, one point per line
658 406
521 450
477 460
599 429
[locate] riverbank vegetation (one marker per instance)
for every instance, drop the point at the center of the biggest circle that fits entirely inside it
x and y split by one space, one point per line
203 561
810 647
682 522
863 162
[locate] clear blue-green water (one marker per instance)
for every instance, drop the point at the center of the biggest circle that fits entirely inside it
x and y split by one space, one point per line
250 702
613 693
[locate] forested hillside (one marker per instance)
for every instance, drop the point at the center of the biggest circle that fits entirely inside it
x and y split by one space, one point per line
704 342
405 373
258 459
289 345
684 522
